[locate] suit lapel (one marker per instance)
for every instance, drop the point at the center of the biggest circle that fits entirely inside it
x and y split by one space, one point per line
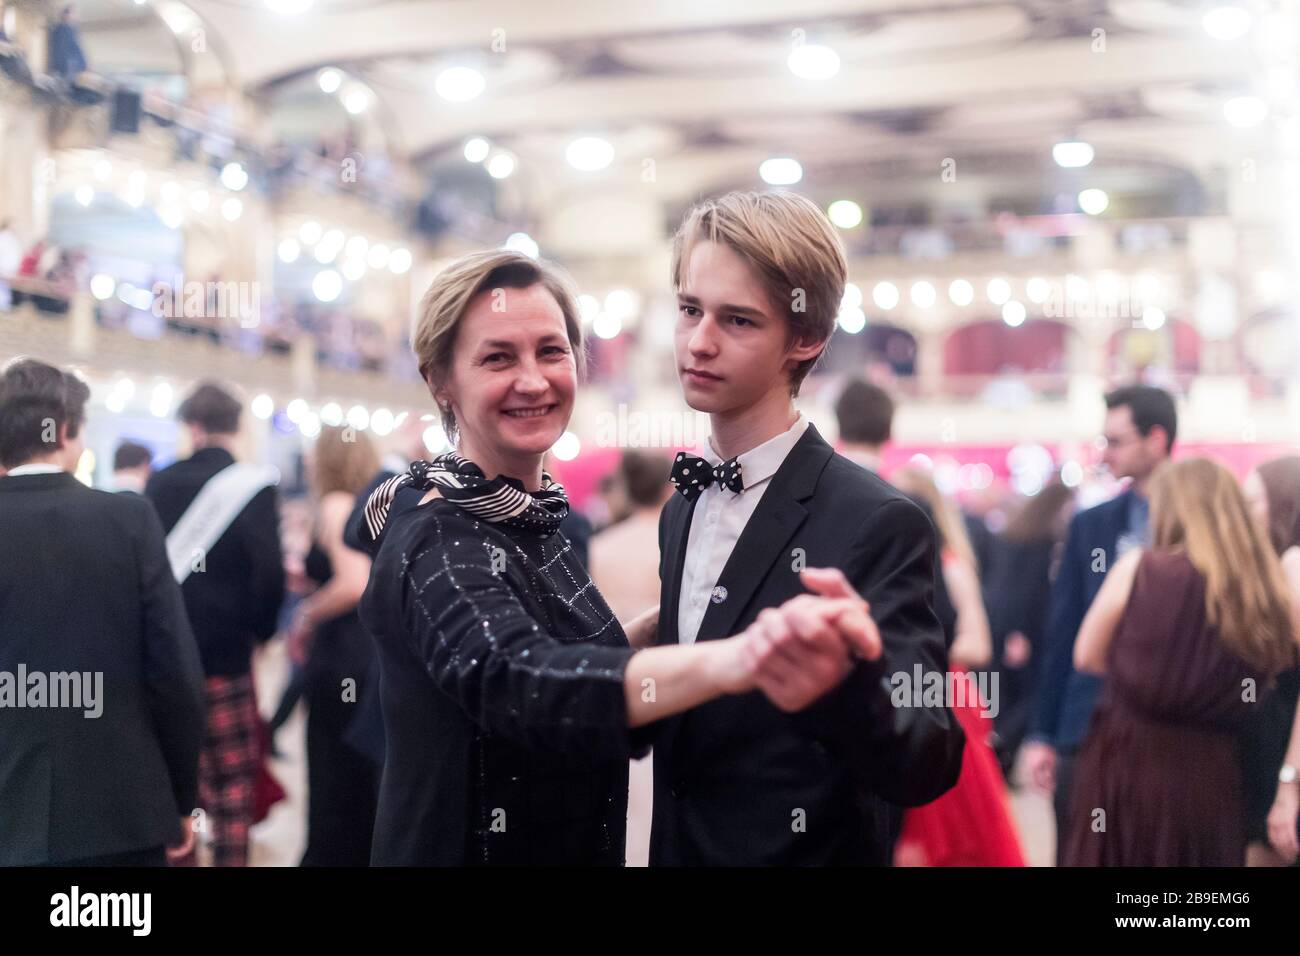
677 533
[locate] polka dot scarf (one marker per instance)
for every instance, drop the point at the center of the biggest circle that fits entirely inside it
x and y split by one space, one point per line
691 475
500 500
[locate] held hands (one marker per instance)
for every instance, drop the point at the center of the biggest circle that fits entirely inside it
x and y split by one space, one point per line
798 652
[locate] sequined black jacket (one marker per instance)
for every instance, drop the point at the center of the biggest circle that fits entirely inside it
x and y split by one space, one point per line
502 690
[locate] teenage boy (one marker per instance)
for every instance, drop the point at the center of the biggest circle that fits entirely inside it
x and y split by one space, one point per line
759 278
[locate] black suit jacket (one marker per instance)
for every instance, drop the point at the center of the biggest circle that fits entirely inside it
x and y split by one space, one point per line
85 587
235 601
739 782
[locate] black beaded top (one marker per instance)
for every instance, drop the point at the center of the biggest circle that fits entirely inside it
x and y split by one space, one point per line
502 688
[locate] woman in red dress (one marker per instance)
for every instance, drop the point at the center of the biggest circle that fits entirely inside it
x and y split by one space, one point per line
971 824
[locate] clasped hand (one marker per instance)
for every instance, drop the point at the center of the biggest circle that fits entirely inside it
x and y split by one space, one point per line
799 651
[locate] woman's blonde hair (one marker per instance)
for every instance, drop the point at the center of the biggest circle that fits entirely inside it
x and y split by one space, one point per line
1197 505
948 520
793 249
453 290
345 460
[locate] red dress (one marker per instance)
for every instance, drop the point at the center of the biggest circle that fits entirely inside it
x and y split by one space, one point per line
970 825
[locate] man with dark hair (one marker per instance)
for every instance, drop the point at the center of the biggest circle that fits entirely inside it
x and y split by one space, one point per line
42 410
865 414
1141 424
223 540
211 409
99 773
132 465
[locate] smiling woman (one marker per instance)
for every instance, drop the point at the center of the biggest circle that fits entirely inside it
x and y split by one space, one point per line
497 333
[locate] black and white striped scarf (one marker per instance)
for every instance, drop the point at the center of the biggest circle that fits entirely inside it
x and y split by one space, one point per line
500 500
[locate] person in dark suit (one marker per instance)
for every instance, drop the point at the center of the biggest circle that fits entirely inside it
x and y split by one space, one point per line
132 466
1141 425
759 278
233 598
86 592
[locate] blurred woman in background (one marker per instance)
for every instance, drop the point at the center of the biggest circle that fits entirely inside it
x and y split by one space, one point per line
1271 744
1018 588
343 783
971 824
625 567
1189 635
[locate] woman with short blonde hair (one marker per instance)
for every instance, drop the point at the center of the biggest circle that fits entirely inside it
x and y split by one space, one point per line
443 306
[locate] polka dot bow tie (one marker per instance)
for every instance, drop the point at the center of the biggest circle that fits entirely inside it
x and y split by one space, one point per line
692 475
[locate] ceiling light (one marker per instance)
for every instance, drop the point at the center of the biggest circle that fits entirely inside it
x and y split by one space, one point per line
780 171
961 292
1093 201
1072 154
885 295
589 153
289 8
852 320
523 242
1245 111
845 213
459 84
923 294
234 176
1226 22
327 285
811 61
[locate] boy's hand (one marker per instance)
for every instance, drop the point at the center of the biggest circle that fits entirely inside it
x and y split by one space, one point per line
803 648
855 623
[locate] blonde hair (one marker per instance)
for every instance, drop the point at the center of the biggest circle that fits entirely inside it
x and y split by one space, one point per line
453 290
793 249
1196 505
947 519
346 460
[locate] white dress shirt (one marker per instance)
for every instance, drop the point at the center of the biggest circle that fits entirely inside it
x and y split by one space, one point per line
719 518
34 469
